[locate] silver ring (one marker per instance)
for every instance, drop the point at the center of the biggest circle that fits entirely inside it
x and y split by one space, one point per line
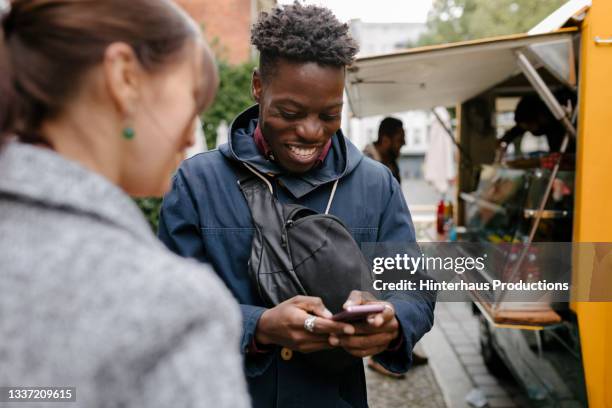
309 323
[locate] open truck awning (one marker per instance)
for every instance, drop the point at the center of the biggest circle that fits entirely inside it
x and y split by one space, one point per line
441 75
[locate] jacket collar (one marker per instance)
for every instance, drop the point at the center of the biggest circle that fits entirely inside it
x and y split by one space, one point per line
39 175
342 158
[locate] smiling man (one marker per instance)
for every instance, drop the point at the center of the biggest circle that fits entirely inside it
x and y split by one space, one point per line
292 137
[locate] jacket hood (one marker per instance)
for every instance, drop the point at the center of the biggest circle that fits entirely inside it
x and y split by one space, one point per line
343 157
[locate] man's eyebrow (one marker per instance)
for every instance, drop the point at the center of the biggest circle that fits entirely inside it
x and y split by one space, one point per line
335 105
290 102
300 106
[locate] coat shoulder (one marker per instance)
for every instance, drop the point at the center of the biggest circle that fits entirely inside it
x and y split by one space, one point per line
202 163
374 171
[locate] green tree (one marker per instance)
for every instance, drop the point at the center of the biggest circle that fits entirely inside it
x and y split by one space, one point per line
459 20
233 97
150 208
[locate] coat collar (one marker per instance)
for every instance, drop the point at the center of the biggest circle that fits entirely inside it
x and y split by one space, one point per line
341 159
41 176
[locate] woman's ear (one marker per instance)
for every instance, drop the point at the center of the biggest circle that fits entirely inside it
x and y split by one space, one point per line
256 85
123 76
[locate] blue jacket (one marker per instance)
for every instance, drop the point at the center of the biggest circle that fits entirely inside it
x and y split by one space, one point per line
205 216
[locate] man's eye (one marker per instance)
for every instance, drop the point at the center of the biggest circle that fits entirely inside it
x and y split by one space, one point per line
288 115
330 117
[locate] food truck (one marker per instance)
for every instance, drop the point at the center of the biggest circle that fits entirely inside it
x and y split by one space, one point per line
560 353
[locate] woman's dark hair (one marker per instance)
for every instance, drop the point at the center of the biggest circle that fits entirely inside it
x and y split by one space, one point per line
6 92
302 33
48 46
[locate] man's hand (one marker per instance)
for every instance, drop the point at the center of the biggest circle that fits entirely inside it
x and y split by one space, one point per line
373 336
284 325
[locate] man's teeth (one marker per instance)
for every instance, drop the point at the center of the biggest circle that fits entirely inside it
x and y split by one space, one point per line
304 152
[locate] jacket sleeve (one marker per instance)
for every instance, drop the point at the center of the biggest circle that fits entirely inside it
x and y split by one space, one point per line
179 230
413 309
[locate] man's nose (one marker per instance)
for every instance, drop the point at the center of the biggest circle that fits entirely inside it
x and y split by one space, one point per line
310 130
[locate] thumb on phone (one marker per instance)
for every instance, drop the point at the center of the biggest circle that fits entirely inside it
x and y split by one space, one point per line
358 297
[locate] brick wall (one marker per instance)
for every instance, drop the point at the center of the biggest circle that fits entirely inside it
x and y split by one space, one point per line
227 25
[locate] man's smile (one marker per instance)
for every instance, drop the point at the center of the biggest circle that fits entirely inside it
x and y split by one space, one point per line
303 154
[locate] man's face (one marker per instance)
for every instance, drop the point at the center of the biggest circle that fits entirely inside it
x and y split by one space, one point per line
397 141
300 110
392 144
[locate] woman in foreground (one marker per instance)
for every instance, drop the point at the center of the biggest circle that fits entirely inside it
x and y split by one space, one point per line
98 102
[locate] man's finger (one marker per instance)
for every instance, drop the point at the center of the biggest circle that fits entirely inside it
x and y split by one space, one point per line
323 325
366 352
314 346
329 326
313 305
354 298
358 297
306 337
379 319
367 328
366 342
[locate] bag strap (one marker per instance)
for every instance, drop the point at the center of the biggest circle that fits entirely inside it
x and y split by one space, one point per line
265 180
331 196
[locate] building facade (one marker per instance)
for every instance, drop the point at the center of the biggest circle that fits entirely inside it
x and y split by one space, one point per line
383 38
227 25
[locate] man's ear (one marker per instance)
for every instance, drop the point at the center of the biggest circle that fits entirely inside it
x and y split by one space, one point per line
256 85
123 75
385 142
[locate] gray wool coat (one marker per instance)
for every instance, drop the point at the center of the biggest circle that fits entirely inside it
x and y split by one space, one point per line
89 298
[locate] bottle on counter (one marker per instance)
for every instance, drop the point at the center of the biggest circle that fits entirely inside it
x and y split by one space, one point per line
440 212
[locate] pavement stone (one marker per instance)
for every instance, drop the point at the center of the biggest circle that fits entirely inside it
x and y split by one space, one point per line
475 369
419 390
501 403
493 390
471 359
484 379
467 350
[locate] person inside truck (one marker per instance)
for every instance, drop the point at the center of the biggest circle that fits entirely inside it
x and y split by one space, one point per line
533 116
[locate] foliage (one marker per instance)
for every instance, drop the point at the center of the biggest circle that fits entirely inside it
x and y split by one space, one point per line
150 208
459 20
233 97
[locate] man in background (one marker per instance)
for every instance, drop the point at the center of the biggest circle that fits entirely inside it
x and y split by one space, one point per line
386 150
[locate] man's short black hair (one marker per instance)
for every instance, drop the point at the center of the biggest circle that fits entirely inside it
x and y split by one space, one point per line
302 33
389 127
529 108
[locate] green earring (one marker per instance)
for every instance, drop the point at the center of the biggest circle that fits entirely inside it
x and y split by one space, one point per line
128 133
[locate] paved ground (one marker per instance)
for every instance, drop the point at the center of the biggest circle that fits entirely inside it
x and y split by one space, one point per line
458 328
455 366
418 389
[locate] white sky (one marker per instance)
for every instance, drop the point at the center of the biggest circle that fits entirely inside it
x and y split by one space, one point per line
376 11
